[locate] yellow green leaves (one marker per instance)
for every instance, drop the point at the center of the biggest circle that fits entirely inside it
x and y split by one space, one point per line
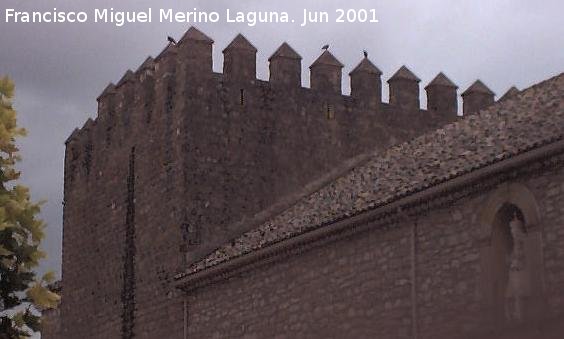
6 89
42 297
21 233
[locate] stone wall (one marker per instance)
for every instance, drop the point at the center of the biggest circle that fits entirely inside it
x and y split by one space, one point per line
178 154
361 286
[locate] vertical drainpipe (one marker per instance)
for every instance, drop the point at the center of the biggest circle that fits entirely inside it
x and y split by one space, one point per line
413 273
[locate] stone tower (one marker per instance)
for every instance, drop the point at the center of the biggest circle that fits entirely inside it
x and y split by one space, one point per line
179 155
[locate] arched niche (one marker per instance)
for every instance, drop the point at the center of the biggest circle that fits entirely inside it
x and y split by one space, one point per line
509 193
511 202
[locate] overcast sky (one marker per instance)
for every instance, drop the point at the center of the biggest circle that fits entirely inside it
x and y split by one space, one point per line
60 69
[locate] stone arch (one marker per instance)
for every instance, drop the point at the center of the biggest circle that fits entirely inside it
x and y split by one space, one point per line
510 201
509 193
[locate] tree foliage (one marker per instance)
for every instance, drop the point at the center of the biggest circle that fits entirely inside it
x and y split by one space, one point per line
21 292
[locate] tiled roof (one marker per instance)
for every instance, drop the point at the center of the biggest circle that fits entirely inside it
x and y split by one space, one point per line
533 118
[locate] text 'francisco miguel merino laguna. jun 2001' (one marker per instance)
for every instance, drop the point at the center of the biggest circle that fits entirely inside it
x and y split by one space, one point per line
251 18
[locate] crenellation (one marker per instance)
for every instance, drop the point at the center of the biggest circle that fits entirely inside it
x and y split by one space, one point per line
512 92
442 97
87 145
195 55
285 67
404 89
366 84
239 60
477 97
326 74
125 89
145 92
106 101
72 157
165 62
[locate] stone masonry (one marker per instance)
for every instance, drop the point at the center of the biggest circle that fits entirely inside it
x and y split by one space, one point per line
180 158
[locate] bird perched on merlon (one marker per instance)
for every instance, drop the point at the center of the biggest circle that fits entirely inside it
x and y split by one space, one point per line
171 40
326 47
365 54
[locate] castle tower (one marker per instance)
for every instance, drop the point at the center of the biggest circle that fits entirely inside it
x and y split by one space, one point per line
221 150
442 96
326 73
477 97
239 60
404 89
366 83
195 54
285 67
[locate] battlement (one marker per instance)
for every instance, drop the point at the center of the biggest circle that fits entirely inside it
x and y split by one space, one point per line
193 121
190 61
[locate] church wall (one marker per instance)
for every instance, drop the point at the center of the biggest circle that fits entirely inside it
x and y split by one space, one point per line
360 286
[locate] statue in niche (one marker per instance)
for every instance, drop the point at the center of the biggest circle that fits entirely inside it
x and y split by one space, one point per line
518 286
